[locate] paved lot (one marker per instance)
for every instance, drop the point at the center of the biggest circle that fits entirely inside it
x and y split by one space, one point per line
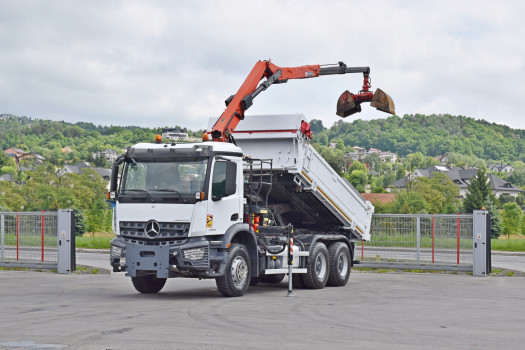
374 311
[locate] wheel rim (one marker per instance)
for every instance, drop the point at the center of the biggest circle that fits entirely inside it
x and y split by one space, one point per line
239 271
342 264
320 266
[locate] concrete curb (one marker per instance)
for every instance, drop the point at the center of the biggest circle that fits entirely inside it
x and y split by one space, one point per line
87 250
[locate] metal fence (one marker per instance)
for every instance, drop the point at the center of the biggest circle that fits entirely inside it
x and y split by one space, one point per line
29 239
431 242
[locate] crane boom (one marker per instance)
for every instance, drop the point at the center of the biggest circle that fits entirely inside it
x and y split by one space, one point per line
348 103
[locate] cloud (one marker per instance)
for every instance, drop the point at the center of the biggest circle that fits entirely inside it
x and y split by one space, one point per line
174 63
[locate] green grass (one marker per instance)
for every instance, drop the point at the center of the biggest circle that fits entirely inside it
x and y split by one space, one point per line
508 245
93 242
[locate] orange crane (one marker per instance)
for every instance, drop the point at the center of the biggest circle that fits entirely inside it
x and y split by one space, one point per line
347 104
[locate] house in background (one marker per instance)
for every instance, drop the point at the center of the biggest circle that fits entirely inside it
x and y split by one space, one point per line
20 155
174 135
80 167
443 159
359 153
461 177
108 154
504 168
14 151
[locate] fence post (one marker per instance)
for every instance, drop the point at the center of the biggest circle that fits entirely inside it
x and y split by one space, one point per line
418 240
2 233
458 234
17 238
42 236
432 238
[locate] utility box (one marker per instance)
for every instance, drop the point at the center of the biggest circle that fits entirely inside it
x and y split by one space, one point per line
66 241
481 243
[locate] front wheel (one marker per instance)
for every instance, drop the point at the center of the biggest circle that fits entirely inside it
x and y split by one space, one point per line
148 284
236 278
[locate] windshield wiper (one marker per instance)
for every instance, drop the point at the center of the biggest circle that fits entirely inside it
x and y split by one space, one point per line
171 190
140 191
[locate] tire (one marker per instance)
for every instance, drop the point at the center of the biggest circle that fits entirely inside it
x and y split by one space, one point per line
148 284
317 266
274 279
237 277
340 264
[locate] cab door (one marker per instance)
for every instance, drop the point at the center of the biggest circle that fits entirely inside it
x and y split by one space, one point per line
225 195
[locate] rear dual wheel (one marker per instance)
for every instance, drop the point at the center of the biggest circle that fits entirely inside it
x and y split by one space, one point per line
325 267
317 267
340 264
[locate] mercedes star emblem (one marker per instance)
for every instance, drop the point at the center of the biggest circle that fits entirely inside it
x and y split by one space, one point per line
152 229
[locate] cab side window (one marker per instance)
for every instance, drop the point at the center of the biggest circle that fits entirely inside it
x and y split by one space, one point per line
218 184
223 179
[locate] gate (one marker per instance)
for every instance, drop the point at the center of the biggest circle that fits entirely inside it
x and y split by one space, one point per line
38 240
422 241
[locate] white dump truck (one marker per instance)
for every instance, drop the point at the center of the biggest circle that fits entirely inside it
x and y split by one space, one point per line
251 210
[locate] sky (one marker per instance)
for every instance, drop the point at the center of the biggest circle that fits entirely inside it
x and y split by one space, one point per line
167 63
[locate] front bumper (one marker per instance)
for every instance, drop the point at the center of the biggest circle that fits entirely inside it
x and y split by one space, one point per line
191 259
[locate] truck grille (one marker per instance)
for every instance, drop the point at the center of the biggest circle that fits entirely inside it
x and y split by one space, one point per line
172 233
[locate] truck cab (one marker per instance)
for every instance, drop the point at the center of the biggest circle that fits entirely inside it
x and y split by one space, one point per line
173 204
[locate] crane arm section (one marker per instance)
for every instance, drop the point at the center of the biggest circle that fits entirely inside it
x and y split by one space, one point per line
237 104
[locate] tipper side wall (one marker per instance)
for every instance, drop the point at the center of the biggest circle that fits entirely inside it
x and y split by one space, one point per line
307 191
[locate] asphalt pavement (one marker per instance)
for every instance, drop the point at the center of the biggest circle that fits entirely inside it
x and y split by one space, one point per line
374 311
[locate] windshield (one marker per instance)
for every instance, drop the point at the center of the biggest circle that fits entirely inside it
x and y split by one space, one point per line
178 176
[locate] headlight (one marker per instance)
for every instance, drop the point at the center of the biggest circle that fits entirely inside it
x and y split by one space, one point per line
194 254
116 252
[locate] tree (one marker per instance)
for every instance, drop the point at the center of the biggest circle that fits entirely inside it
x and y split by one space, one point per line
80 222
100 162
415 160
407 203
373 160
495 220
358 178
400 173
478 192
357 165
7 161
316 126
510 219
